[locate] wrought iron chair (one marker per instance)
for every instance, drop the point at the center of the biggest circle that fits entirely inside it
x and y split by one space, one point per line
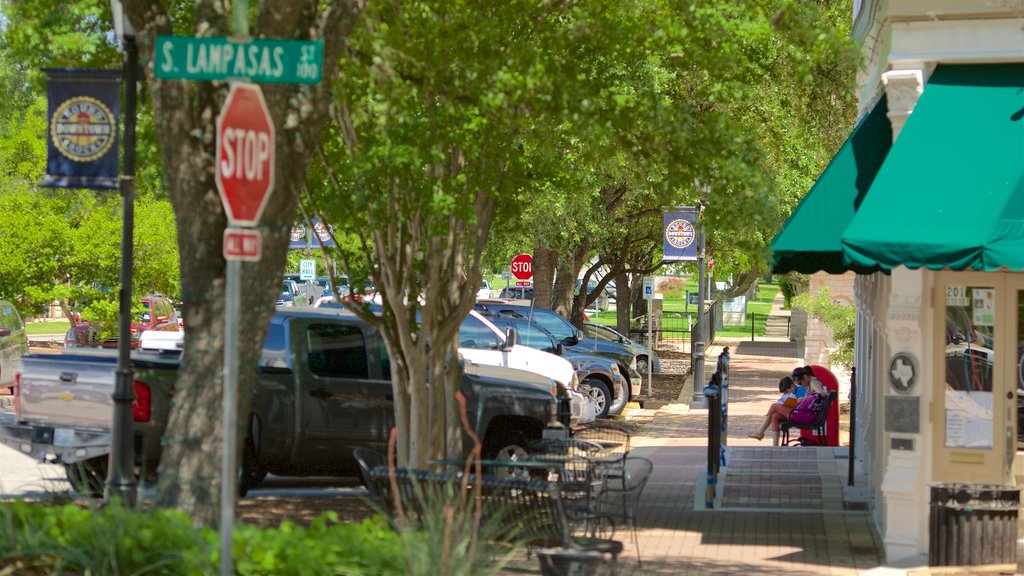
621 496
613 438
818 426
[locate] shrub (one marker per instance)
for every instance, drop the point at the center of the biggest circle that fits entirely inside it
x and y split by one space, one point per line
42 539
840 318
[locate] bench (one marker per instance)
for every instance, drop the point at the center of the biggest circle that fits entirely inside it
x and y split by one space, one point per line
818 426
528 512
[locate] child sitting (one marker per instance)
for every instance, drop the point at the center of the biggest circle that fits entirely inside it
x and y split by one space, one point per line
779 411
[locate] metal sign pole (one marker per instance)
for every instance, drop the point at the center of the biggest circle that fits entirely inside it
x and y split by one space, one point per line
698 355
650 336
228 467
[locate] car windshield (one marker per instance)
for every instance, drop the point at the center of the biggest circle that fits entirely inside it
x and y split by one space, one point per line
475 334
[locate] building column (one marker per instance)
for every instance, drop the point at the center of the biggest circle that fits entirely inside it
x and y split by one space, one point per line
908 458
902 88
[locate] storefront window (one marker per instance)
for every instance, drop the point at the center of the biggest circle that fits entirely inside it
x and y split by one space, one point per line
970 324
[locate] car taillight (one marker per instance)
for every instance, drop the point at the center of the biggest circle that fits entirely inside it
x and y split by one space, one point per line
17 396
142 406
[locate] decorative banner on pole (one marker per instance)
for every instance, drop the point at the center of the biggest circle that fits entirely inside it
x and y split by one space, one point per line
322 236
680 234
81 135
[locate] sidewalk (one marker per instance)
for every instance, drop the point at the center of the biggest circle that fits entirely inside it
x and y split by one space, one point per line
781 510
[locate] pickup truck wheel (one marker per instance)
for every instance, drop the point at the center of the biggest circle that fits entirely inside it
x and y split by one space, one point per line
88 477
618 403
598 390
507 446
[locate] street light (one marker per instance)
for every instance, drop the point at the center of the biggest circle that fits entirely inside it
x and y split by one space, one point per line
121 478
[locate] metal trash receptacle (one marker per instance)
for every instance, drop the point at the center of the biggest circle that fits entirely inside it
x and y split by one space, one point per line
972 524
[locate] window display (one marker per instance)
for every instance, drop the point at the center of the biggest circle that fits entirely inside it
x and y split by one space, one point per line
970 324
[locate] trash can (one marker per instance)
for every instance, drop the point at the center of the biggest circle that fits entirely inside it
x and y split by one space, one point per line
972 524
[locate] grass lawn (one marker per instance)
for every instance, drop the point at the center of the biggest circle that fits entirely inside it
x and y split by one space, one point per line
48 327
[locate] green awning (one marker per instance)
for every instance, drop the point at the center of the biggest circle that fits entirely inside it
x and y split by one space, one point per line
810 240
951 192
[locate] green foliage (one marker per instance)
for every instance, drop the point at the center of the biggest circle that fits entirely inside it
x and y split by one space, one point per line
790 286
112 540
326 547
115 540
840 318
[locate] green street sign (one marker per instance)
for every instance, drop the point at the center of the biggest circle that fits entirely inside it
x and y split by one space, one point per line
221 58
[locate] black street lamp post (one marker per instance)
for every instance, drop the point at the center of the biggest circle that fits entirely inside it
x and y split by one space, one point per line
121 478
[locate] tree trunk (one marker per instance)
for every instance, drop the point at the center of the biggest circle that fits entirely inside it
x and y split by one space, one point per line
622 295
184 114
544 260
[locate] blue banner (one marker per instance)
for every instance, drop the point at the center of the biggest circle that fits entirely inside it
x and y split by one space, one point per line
323 235
81 135
680 235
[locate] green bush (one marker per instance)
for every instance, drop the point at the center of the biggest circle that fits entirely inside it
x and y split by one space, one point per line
44 539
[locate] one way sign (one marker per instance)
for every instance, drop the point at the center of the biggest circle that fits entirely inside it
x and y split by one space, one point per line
243 244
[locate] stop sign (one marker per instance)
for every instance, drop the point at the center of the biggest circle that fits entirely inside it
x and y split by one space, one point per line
522 267
245 154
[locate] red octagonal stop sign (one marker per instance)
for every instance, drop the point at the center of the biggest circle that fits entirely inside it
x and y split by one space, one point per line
522 267
245 154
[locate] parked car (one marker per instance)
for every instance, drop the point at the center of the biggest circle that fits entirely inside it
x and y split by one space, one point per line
600 377
485 290
289 293
158 313
482 342
643 352
13 343
571 337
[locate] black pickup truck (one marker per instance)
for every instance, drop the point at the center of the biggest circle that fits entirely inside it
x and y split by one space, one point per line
324 388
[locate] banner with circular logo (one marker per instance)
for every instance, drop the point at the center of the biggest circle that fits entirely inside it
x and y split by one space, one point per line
82 128
680 234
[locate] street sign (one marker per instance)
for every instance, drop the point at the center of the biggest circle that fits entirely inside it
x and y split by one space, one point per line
693 298
244 169
522 267
524 283
506 275
648 288
243 244
220 58
307 269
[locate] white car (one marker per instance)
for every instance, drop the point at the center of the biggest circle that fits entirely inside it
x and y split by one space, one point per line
485 290
481 342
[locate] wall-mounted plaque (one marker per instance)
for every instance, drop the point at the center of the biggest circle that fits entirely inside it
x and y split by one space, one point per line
903 414
903 372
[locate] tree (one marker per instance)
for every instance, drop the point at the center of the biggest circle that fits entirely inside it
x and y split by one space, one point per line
756 88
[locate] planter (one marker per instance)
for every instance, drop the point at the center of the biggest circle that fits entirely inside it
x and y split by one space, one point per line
561 562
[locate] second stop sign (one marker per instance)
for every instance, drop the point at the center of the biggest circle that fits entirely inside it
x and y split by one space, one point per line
245 154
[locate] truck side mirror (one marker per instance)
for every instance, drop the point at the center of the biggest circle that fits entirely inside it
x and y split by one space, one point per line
511 336
578 335
560 349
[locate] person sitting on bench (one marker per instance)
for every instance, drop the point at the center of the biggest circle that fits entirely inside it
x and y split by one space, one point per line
779 411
